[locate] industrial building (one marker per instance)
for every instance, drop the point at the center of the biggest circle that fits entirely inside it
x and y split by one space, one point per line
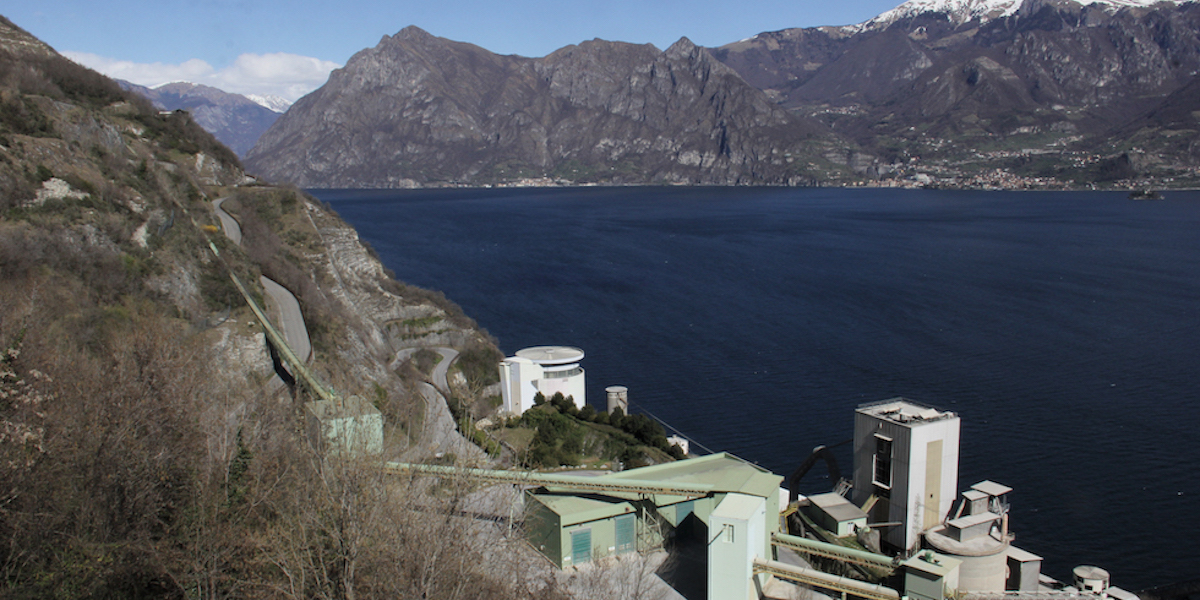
347 427
910 534
728 504
906 458
547 370
718 496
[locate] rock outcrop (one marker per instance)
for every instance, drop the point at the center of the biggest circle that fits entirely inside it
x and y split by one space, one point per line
420 110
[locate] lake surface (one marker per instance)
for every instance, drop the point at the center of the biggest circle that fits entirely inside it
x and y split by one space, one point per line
1061 327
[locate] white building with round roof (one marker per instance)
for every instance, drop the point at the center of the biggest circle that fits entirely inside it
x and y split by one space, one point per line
545 369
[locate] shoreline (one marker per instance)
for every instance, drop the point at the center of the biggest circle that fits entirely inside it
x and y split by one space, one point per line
1128 189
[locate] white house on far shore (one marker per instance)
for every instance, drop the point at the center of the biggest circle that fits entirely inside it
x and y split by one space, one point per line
545 369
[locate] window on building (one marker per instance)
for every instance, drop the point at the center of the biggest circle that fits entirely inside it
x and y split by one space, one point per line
882 476
549 374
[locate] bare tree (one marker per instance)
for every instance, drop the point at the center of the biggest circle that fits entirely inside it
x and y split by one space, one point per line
632 576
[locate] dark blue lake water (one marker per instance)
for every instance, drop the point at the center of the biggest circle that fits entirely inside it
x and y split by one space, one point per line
1062 327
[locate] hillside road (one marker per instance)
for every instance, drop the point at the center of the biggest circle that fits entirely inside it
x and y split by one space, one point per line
291 319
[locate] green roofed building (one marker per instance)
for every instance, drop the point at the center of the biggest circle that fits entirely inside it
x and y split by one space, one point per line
575 529
688 497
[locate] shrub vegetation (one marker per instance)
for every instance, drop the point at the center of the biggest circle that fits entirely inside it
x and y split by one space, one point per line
565 435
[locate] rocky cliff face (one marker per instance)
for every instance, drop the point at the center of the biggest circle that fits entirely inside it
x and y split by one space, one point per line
235 120
421 110
103 196
1048 65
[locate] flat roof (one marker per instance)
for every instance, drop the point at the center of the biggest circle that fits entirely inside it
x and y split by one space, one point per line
1022 555
974 495
927 561
972 520
724 471
992 488
838 507
573 509
551 355
1090 572
904 411
737 507
984 545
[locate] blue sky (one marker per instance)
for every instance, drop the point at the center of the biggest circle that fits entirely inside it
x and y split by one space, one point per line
287 48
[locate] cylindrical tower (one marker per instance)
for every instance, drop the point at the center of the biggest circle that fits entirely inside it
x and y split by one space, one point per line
561 372
1092 579
984 566
618 396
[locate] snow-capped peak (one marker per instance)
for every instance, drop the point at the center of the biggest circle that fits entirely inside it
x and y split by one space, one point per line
270 102
962 11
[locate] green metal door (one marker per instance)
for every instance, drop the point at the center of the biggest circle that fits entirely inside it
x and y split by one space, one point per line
625 533
581 546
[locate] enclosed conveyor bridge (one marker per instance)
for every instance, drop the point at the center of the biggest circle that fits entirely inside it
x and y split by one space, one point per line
834 551
573 482
824 580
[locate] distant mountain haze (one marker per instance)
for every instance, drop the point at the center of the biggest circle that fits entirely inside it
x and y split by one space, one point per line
236 120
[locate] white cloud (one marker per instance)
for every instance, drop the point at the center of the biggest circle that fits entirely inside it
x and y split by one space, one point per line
287 75
147 74
280 74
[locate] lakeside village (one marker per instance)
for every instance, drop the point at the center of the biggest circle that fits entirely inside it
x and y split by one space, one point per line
973 173
899 528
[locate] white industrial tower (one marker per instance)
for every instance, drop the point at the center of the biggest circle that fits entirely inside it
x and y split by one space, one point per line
906 456
541 369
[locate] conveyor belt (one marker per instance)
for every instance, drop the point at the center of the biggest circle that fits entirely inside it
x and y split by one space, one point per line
825 580
575 482
834 551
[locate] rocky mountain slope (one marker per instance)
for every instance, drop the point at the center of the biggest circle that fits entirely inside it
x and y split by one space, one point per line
143 451
236 120
422 110
934 91
932 78
1042 52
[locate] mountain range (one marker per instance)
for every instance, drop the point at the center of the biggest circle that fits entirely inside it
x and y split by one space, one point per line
998 68
236 120
419 110
986 93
